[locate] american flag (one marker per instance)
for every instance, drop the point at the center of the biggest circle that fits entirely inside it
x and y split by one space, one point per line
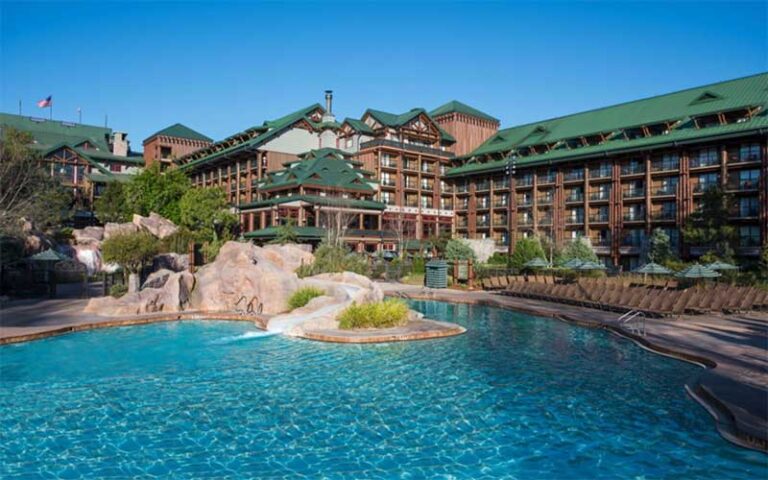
46 102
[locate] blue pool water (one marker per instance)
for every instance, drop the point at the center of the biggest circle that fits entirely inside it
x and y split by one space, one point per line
515 397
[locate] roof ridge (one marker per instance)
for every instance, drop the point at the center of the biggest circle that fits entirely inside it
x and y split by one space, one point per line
621 104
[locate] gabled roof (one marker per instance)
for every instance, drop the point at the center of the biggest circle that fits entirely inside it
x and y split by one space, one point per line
47 133
676 110
316 200
110 177
327 167
251 137
394 120
358 125
178 130
459 107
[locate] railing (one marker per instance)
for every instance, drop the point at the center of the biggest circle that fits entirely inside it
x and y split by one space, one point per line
405 146
388 164
545 221
525 222
500 184
546 179
633 193
632 169
500 222
462 189
600 195
697 162
574 220
575 197
428 168
598 218
411 185
634 217
482 186
664 166
524 182
601 173
544 200
634 321
410 166
667 190
574 176
704 186
427 186
388 183
664 215
483 205
522 202
500 204
743 185
746 212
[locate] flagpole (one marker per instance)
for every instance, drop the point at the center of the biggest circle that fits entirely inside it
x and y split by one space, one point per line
50 110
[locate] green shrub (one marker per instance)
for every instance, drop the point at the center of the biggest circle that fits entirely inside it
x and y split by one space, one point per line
302 296
499 258
526 249
333 259
130 250
179 241
118 290
418 266
457 249
389 313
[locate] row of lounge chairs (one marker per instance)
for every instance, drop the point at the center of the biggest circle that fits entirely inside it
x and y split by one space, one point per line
651 300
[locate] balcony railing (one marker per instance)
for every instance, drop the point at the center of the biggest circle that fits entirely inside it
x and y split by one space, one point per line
428 168
632 242
462 188
546 179
524 182
544 200
574 175
388 183
574 219
664 215
500 221
746 212
412 185
598 218
698 162
634 217
635 169
525 221
481 186
483 205
545 221
410 166
427 186
524 202
744 185
600 242
601 173
665 190
633 193
501 184
665 166
702 187
483 223
500 204
411 203
603 195
380 142
574 197
446 188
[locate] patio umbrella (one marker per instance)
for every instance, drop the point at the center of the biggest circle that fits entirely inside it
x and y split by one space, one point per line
537 262
49 256
573 263
589 265
653 269
697 271
720 266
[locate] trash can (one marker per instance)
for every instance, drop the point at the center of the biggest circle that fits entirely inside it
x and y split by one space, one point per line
437 274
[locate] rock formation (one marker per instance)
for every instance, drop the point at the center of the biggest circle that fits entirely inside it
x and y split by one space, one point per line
172 297
114 229
175 262
155 224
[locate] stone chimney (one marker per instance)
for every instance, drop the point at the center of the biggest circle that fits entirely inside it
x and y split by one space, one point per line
120 144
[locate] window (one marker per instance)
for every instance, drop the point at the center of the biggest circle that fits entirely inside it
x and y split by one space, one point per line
426 202
749 236
602 171
165 152
115 167
705 158
634 212
706 181
749 179
749 207
349 142
388 198
634 237
575 215
668 161
749 152
386 179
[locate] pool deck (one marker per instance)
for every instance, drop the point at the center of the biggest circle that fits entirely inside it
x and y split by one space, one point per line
734 387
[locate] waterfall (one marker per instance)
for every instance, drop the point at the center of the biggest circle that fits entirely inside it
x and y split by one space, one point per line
89 256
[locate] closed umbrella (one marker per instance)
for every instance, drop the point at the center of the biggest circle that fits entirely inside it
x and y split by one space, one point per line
589 265
573 263
537 262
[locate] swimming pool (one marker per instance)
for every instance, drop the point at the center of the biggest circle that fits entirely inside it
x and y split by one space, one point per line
516 396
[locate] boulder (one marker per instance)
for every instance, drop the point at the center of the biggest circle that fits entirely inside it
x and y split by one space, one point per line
156 225
88 235
289 257
175 262
244 277
157 279
173 296
115 229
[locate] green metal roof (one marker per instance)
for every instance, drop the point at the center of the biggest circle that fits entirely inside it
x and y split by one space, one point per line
110 177
253 137
394 120
328 167
358 125
677 109
459 107
178 130
307 233
47 133
316 200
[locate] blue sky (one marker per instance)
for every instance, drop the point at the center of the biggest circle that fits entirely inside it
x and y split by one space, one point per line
222 67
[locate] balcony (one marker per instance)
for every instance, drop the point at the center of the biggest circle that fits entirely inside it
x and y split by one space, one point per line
501 184
598 218
634 216
546 179
574 176
483 223
744 185
500 222
702 187
412 203
483 205
462 188
427 186
574 197
406 146
524 222
743 157
665 166
482 186
703 162
501 204
601 173
524 202
388 182
574 220
633 193
428 168
411 185
447 188
600 196
388 163
526 181
665 190
544 200
410 166
664 215
546 221
746 212
632 169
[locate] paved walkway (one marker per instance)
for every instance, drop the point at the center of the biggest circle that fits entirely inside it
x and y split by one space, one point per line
735 347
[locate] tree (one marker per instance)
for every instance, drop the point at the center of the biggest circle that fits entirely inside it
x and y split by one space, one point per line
440 241
156 191
205 211
708 226
336 219
457 249
580 248
764 262
27 190
111 206
286 233
660 248
526 249
132 251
